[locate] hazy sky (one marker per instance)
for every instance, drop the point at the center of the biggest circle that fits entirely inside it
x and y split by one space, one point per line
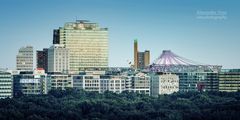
206 31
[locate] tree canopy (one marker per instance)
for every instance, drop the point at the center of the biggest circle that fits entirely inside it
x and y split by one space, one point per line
74 104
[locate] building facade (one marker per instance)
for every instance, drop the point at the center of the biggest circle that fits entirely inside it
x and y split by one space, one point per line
58 81
6 85
87 42
24 58
86 82
229 80
42 59
114 84
165 83
198 81
29 83
58 59
140 83
141 59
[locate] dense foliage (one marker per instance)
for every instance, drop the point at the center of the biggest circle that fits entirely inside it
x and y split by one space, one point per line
75 105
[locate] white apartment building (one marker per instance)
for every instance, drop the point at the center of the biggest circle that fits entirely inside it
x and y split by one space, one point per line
164 84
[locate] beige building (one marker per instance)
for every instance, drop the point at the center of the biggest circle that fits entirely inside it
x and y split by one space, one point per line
87 42
141 59
140 83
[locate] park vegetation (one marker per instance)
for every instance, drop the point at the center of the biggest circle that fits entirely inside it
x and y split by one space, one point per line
77 104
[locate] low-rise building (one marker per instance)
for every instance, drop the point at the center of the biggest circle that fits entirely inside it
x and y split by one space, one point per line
29 83
164 83
6 84
86 82
58 81
114 84
229 80
140 83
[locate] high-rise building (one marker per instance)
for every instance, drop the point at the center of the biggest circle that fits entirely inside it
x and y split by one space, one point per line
6 84
141 59
87 44
42 59
146 58
229 80
58 59
164 83
24 58
135 54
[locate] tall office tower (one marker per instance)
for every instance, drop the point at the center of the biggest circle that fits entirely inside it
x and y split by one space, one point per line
135 54
6 84
141 59
146 58
42 59
58 59
87 44
25 58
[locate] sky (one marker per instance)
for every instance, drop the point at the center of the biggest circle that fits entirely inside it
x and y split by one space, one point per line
206 31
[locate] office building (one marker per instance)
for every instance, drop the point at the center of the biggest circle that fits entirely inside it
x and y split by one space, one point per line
88 82
99 82
229 80
29 83
114 84
58 59
58 81
42 59
164 83
140 83
87 44
198 81
6 84
141 59
24 58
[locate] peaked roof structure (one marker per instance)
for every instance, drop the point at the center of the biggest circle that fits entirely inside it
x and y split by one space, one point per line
171 62
169 58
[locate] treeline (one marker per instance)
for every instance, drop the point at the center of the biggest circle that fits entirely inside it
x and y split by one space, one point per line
74 105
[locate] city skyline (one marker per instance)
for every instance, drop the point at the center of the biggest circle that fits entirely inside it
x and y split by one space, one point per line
158 25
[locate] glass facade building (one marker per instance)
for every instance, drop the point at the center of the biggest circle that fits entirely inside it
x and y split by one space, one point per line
87 43
198 81
229 80
42 59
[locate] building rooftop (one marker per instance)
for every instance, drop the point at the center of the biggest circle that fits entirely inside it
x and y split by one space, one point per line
171 62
